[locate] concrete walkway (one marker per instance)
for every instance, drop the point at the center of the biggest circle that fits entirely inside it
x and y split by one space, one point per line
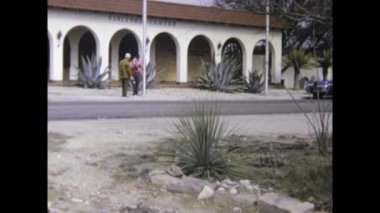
63 94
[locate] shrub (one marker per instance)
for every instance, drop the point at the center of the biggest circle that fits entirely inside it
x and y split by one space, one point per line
150 74
218 77
196 141
311 178
89 76
255 83
320 122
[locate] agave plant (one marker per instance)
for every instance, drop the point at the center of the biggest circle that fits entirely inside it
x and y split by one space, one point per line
196 141
255 83
218 77
150 74
89 76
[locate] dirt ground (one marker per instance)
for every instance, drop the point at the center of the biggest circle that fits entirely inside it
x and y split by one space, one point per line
101 165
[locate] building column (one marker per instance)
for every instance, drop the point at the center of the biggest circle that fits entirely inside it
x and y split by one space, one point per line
218 52
248 64
56 60
103 52
114 61
277 46
182 63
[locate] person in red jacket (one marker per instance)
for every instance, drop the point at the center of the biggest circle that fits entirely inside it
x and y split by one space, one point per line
136 73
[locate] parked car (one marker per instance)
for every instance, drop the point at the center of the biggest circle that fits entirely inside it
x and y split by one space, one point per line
308 86
319 89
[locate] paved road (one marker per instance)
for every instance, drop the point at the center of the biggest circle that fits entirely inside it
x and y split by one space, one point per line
94 110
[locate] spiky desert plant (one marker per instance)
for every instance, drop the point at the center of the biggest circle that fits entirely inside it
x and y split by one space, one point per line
89 76
254 83
218 77
196 141
320 122
149 76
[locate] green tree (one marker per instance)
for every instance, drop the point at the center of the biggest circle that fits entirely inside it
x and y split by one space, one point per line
325 62
298 59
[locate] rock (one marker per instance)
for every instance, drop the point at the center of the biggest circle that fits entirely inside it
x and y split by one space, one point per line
244 182
248 188
229 183
52 210
188 185
274 202
256 190
311 199
233 191
164 180
225 186
76 200
245 201
175 171
237 209
49 204
221 189
206 193
156 172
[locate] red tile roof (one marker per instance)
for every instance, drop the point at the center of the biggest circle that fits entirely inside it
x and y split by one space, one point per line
172 11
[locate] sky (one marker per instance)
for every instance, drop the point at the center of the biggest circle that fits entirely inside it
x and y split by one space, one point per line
192 2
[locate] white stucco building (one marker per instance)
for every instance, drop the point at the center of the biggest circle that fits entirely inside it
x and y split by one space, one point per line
178 37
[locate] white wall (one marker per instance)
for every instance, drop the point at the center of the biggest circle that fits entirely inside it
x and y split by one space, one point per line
288 75
104 26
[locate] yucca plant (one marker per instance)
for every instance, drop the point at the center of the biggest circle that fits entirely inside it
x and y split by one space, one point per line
298 59
320 122
196 141
89 76
254 83
218 77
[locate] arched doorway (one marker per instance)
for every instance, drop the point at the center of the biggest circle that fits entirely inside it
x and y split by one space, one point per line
87 47
199 50
79 42
258 59
164 57
232 50
122 42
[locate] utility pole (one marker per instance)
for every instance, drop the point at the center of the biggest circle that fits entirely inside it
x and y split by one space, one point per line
144 44
266 47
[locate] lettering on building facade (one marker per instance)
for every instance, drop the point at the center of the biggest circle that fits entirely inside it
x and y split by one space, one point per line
138 19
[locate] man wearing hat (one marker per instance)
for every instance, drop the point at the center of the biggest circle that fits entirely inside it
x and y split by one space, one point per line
125 73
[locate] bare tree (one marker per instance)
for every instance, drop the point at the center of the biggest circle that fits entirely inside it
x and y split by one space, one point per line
293 10
310 21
